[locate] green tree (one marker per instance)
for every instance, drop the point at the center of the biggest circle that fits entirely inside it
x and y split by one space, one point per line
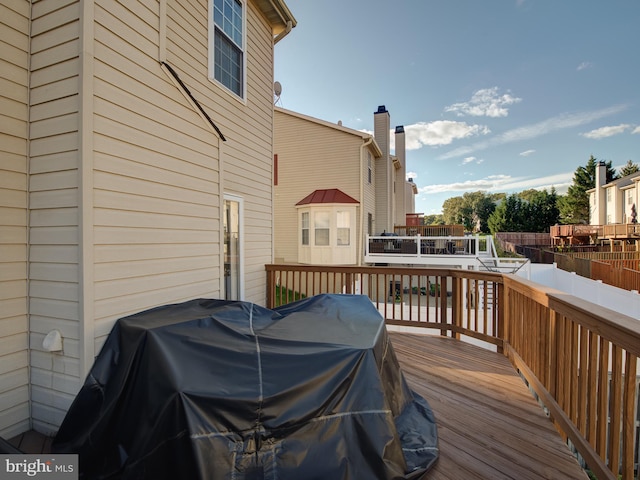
437 219
472 210
629 168
528 211
574 206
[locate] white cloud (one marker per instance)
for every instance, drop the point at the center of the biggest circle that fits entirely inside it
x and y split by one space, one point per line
604 132
412 175
472 160
440 132
535 130
485 102
526 153
584 66
504 183
636 130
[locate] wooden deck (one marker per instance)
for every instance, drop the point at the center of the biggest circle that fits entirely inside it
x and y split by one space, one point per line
489 425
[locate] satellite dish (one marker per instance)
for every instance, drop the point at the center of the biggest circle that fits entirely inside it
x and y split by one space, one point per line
277 88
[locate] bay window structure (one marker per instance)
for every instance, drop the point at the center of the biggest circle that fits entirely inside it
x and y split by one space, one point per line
327 224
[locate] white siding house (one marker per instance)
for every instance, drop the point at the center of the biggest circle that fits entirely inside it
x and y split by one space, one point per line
139 173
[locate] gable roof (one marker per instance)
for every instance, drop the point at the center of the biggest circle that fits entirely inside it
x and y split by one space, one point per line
331 195
336 126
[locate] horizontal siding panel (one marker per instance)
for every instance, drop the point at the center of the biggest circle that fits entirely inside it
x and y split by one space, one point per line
12 162
14 199
12 144
14 109
54 162
58 309
13 362
151 173
14 325
54 272
133 201
15 235
47 253
130 253
54 235
122 287
16 18
60 89
54 55
123 24
207 167
48 16
54 291
145 268
15 420
15 289
58 382
49 127
56 362
60 143
54 199
13 344
14 308
13 180
12 75
53 108
114 218
11 270
57 399
52 217
107 311
67 179
132 186
150 236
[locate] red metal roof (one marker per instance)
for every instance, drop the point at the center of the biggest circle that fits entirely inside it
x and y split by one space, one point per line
331 195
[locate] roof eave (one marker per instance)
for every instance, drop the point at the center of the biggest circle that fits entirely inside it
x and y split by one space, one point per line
277 13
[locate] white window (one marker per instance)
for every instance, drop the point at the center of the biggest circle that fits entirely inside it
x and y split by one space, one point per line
321 225
343 223
304 221
608 194
369 168
227 44
629 197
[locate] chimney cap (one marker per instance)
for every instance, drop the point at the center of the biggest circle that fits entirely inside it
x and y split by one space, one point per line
381 109
400 129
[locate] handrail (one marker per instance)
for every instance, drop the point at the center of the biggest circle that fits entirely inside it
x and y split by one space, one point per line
580 359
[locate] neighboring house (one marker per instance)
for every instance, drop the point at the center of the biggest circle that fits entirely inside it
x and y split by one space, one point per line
137 147
613 202
333 186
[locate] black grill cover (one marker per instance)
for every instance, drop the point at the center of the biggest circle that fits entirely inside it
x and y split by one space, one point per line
213 389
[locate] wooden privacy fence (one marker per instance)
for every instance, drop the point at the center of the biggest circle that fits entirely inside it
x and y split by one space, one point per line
579 358
613 274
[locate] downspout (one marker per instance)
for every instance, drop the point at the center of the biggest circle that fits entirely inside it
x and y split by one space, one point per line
360 251
283 33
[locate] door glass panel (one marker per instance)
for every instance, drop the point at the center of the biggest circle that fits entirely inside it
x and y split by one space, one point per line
231 250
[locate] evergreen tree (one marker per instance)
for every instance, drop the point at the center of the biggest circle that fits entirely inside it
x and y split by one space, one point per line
574 206
629 168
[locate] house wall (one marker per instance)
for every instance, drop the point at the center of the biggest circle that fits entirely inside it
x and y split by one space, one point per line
127 178
54 226
311 156
14 81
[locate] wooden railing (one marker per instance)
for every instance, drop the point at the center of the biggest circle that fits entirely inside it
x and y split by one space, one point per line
579 358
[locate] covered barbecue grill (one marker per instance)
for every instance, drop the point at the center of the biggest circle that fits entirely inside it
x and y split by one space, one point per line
229 390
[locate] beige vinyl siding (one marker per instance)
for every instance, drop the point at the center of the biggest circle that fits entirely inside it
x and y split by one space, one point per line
53 199
247 125
369 203
156 175
311 156
14 95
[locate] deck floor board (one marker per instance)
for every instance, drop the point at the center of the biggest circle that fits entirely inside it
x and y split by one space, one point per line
489 424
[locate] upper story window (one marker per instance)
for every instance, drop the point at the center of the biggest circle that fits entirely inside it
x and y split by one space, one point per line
369 168
227 47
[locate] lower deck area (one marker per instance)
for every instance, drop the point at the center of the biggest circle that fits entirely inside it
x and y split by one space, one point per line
489 424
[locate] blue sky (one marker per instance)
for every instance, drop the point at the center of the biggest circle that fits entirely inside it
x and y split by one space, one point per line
494 95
